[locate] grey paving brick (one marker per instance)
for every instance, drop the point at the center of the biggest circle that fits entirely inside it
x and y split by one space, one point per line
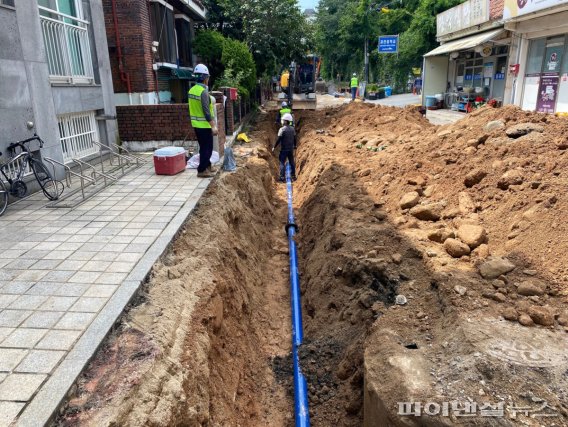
60 253
44 288
13 318
72 265
82 255
58 276
21 263
20 387
105 256
42 319
32 275
93 247
4 332
57 303
75 321
72 289
12 253
9 411
84 277
7 299
47 246
120 267
146 240
2 378
58 340
8 275
89 304
96 266
46 264
128 257
23 338
10 357
40 361
27 302
111 278
102 291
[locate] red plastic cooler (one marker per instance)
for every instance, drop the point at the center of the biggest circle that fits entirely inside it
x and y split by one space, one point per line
169 160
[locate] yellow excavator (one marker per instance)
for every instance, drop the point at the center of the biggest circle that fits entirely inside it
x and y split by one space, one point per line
301 93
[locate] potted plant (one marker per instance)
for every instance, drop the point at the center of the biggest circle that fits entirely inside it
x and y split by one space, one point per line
372 94
381 93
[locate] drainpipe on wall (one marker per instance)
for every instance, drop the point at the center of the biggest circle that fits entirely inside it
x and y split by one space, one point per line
124 76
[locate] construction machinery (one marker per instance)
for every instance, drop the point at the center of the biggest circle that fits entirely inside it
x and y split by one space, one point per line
301 94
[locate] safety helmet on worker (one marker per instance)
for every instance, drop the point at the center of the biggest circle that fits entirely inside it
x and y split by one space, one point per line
288 118
201 69
354 74
284 104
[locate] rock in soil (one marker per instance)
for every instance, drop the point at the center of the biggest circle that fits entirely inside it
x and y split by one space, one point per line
528 289
541 316
428 212
474 177
456 248
495 267
409 200
472 235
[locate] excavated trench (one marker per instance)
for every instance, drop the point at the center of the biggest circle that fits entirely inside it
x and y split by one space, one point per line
207 341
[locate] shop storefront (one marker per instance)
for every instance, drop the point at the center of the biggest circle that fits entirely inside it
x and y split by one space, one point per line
468 72
540 36
545 85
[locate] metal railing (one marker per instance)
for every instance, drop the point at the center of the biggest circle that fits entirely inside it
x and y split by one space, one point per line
66 40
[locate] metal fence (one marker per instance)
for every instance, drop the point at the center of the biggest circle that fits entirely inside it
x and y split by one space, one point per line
77 133
66 40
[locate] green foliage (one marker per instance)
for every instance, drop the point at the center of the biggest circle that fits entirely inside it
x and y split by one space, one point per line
275 30
208 46
343 25
239 64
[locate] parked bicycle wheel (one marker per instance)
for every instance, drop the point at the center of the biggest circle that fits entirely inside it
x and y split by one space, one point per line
3 197
47 183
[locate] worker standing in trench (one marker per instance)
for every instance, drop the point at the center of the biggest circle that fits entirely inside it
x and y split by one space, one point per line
285 109
287 141
201 112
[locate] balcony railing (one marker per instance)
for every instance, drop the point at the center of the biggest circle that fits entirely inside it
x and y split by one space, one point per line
66 40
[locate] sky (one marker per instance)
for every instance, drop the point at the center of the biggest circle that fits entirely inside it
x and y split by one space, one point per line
308 4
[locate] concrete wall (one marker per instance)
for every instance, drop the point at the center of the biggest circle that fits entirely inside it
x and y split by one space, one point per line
25 88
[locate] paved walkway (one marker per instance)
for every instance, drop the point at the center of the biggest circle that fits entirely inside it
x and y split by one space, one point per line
66 276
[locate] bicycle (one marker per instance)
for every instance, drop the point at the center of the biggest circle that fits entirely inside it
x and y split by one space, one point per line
15 169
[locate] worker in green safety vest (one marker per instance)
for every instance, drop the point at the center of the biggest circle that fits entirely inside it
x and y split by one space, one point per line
201 112
285 109
354 85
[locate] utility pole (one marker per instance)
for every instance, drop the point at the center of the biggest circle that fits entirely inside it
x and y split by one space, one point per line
366 59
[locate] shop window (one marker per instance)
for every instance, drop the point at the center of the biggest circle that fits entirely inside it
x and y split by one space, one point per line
163 31
536 54
7 2
553 56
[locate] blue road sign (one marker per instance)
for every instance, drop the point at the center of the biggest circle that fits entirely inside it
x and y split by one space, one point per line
388 44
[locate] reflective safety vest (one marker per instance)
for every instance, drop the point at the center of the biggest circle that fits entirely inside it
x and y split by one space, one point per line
284 79
284 111
196 113
354 82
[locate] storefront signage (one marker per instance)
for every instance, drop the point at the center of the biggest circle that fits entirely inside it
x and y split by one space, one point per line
546 101
499 76
514 8
465 15
388 44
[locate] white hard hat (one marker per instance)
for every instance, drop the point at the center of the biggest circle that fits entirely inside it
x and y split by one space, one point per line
284 104
288 117
354 74
201 69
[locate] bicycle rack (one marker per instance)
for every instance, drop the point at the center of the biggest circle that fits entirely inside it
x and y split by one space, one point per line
90 176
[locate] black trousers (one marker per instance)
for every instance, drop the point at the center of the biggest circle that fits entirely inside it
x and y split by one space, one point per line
287 155
205 140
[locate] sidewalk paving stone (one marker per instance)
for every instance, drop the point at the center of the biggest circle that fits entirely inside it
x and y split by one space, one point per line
66 275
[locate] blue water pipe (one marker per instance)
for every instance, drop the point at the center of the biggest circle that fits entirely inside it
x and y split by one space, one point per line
301 410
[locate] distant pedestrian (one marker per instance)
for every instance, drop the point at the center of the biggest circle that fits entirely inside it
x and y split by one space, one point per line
202 114
354 86
287 141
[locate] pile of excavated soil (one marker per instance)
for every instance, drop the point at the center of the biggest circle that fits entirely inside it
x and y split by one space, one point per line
197 345
465 223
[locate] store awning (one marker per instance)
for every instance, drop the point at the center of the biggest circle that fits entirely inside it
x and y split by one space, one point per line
466 42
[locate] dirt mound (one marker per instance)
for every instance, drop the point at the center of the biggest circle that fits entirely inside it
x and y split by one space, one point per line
465 222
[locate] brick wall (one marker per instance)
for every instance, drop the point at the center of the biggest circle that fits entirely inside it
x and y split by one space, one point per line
136 43
164 122
496 9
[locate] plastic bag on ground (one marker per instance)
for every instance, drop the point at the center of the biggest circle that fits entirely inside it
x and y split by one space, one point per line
229 163
193 162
